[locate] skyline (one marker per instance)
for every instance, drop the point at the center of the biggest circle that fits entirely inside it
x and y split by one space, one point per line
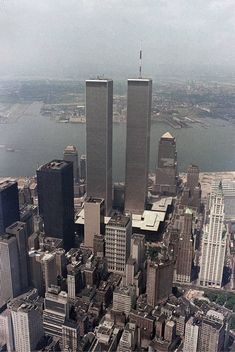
184 36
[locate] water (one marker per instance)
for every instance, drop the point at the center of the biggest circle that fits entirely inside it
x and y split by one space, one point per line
37 139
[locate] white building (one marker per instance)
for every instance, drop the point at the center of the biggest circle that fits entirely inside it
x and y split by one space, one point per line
191 335
27 326
6 332
118 242
214 243
124 299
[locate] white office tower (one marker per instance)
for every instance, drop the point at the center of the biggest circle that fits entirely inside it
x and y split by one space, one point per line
6 332
117 243
124 299
214 242
27 325
56 311
94 209
191 335
49 270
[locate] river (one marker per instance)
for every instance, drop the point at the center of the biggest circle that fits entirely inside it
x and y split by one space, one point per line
37 139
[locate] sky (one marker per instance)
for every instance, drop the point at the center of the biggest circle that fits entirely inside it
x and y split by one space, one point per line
81 38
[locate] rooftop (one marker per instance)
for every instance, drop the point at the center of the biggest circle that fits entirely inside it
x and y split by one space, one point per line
70 149
119 220
80 218
149 220
5 184
188 211
54 165
6 238
98 80
139 80
162 204
94 200
167 135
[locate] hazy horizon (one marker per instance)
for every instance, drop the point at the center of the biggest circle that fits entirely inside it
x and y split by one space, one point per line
80 38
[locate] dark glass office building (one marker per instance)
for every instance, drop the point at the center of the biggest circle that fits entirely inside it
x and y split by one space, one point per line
9 204
56 200
99 135
139 98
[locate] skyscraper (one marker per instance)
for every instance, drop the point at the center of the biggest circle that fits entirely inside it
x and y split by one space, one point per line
70 336
99 135
159 278
185 250
56 311
214 241
9 204
6 331
166 172
117 243
71 154
56 202
18 229
83 167
212 335
27 324
10 280
94 220
139 97
192 330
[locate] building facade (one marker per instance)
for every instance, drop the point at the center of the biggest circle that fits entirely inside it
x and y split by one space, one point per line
159 280
184 259
214 242
27 326
167 171
99 135
56 200
139 99
71 154
117 243
94 210
9 204
10 276
192 329
18 229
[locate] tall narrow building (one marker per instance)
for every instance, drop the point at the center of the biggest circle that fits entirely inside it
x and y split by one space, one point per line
83 168
139 98
192 331
166 172
9 204
94 220
185 250
10 276
71 154
118 243
99 135
18 229
56 200
214 242
159 278
27 323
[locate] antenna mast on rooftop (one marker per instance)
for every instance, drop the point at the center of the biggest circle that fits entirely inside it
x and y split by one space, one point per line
140 67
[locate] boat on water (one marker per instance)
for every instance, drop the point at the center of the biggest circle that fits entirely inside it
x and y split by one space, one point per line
10 150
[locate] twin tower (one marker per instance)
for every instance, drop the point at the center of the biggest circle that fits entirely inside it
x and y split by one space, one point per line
99 139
